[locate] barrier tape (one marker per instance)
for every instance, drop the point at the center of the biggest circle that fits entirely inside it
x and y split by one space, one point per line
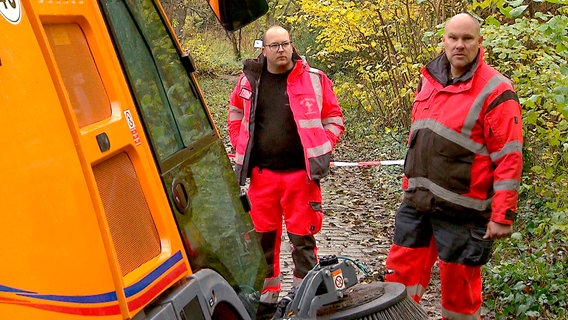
360 163
367 163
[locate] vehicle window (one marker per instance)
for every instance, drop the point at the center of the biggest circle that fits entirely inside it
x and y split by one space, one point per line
164 91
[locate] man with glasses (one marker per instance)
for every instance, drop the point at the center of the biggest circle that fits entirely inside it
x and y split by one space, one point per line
284 120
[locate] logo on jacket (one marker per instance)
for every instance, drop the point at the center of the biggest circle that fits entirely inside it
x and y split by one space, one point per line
309 104
245 94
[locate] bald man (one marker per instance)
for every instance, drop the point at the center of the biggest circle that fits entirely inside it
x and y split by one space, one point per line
461 175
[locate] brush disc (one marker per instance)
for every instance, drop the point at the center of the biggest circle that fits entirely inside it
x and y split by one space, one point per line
376 300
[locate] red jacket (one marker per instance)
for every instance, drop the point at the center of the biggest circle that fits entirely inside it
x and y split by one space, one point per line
314 105
465 143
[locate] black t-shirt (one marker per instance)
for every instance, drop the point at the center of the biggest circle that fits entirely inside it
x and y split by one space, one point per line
277 145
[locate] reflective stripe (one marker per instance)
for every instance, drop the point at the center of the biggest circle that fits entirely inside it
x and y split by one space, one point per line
416 290
477 105
420 182
319 150
239 158
235 113
243 81
270 290
315 77
450 134
511 147
510 184
332 120
317 123
273 282
333 124
450 315
312 123
335 130
270 297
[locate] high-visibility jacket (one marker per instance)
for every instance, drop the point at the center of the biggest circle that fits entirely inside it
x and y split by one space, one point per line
317 114
465 143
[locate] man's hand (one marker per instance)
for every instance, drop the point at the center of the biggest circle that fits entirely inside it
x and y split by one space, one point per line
497 230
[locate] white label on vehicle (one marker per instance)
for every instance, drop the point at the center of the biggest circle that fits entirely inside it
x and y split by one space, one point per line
338 279
131 126
11 10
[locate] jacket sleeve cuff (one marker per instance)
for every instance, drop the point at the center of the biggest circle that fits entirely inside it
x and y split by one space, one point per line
508 217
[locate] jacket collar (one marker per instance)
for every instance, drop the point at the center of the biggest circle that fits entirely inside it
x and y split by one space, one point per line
253 67
439 69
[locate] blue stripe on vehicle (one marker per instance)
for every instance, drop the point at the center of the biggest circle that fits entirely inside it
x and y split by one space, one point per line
109 296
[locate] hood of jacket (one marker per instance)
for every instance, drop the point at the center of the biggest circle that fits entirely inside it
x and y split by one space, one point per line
252 68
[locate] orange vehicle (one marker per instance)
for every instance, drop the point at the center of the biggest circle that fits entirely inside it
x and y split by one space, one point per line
117 198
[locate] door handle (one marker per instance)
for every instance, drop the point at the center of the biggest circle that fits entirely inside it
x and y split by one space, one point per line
180 195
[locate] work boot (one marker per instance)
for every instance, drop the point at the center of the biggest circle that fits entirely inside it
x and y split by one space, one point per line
281 308
265 311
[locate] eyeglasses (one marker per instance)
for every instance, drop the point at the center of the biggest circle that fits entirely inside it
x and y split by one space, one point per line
276 46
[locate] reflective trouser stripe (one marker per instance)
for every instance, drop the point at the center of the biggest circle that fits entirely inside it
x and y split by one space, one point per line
461 291
446 314
415 292
271 290
461 284
411 267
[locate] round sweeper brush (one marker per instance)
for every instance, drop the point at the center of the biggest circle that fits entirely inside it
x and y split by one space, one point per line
374 301
332 291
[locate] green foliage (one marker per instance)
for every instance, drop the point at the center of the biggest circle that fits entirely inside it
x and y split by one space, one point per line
370 49
217 91
210 56
215 51
533 53
527 278
373 50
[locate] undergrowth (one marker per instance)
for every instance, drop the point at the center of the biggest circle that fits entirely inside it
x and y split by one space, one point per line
526 278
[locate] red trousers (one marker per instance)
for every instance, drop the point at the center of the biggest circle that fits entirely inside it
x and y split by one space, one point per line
290 197
421 239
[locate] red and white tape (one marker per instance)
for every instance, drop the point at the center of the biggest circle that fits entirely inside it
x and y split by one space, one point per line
360 163
367 163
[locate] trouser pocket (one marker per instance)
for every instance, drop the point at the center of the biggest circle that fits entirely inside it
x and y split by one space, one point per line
462 243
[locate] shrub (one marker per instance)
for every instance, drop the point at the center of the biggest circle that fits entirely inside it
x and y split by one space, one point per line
527 277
